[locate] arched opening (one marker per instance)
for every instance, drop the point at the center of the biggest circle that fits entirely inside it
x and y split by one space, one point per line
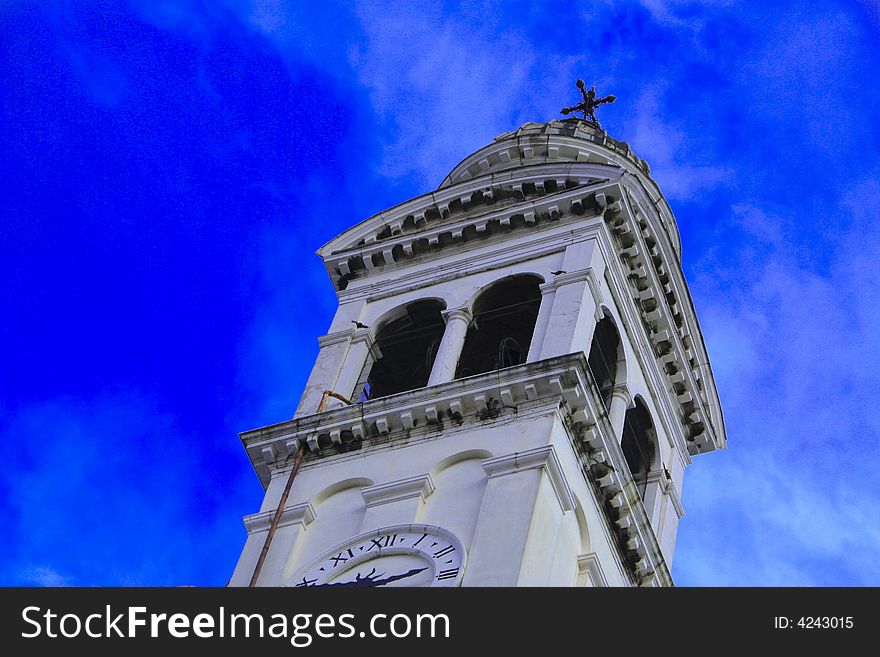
605 352
639 444
404 351
504 317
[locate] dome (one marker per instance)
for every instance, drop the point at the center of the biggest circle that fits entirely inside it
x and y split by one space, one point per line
567 143
566 140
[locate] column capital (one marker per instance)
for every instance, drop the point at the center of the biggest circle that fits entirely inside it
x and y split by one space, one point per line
362 335
464 314
336 337
420 486
299 514
537 458
621 391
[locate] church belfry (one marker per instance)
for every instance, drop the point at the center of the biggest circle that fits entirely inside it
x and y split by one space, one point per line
518 382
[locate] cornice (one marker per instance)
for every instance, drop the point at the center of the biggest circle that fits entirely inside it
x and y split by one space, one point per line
297 514
543 458
542 241
589 564
667 487
336 337
536 141
400 248
415 213
480 397
655 289
420 486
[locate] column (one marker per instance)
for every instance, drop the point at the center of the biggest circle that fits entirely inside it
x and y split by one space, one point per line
293 522
621 400
325 371
548 292
396 502
654 500
576 301
511 506
358 351
457 322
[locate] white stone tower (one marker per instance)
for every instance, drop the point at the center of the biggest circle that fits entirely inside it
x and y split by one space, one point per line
528 378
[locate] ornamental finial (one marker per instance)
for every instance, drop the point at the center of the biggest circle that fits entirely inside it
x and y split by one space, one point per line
589 104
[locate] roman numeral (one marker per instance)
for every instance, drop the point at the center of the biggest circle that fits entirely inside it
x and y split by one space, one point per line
424 536
443 552
340 559
449 573
382 542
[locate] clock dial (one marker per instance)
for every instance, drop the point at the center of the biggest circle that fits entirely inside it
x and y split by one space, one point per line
403 555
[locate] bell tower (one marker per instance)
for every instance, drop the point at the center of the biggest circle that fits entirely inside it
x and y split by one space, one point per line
510 391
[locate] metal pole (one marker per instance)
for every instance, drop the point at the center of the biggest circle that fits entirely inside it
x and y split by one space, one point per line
284 495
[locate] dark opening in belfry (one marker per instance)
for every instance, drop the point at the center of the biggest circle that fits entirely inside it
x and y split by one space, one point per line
503 322
404 351
605 353
638 444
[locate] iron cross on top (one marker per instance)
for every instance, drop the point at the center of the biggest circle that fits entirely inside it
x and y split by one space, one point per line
589 104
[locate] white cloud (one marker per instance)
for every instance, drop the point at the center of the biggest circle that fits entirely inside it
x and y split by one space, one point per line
794 349
111 488
666 150
44 576
444 86
667 11
765 522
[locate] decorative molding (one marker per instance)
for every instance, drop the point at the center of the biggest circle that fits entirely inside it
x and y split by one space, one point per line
667 487
554 379
587 174
561 140
420 486
335 338
362 335
596 293
463 314
621 390
538 458
514 257
588 564
572 277
301 514
417 246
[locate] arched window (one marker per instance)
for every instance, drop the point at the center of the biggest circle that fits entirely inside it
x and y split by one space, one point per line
639 444
501 331
404 351
605 352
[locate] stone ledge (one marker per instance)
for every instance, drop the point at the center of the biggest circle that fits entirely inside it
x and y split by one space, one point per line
420 486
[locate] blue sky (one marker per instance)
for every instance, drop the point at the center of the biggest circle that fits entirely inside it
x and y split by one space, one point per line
170 167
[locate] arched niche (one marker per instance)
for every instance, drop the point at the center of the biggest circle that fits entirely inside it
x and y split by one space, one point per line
639 444
404 350
460 482
606 360
504 316
339 511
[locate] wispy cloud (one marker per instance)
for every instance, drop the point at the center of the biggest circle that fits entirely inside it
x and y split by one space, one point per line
793 345
112 489
273 125
443 87
43 576
768 522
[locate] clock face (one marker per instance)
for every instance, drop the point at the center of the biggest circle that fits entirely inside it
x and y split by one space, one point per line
403 555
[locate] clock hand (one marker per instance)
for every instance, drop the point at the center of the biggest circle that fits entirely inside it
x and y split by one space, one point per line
394 578
372 580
